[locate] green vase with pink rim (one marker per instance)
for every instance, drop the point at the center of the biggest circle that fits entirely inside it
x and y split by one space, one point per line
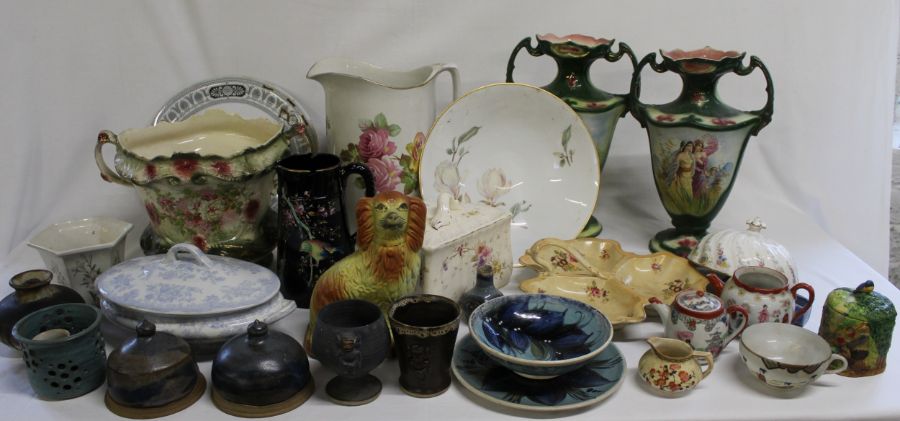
696 141
600 110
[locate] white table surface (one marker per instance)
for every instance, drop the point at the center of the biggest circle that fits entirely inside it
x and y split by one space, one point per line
630 215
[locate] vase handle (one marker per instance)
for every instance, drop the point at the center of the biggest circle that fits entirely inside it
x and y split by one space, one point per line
612 57
764 113
635 104
526 44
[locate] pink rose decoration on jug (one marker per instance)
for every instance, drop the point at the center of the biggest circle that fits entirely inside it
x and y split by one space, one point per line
386 173
376 150
375 143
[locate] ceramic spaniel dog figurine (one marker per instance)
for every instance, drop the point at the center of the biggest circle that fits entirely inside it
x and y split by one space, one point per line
386 263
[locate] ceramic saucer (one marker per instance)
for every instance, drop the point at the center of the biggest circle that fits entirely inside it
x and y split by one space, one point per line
518 147
586 386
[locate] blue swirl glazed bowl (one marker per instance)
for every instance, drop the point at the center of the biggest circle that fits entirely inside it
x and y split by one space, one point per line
540 336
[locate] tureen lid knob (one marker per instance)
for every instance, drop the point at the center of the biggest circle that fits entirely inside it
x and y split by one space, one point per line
755 224
145 329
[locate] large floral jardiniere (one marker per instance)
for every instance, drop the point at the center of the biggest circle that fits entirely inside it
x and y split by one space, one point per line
574 54
696 141
206 180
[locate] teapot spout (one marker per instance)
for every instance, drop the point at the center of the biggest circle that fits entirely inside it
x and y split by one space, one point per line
662 309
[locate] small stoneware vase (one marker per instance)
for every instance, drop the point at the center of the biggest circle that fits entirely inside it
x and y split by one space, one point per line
63 350
483 290
262 373
424 329
671 368
765 294
152 375
351 338
696 141
701 320
574 55
858 324
312 222
33 291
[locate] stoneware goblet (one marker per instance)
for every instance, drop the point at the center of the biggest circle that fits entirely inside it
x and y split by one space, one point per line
424 328
351 338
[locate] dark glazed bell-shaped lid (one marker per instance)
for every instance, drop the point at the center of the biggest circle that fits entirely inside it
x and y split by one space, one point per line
149 352
261 373
152 375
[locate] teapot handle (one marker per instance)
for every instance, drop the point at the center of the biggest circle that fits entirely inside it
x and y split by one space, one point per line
745 319
635 104
764 113
812 296
717 284
708 357
526 44
106 173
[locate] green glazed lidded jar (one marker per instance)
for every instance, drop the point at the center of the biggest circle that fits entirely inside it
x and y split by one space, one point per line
600 110
858 324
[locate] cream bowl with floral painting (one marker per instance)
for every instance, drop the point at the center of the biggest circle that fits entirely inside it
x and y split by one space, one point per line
515 147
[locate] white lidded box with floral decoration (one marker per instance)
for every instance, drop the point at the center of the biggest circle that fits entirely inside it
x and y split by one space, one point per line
459 238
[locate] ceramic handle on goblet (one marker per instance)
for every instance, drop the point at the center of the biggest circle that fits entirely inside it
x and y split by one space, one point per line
764 113
511 65
106 173
812 296
635 104
708 357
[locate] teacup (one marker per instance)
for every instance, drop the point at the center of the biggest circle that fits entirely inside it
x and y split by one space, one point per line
787 357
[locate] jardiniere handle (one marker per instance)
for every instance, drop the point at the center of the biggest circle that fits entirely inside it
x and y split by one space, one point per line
635 104
841 366
511 64
708 357
745 319
764 113
106 173
812 296
362 171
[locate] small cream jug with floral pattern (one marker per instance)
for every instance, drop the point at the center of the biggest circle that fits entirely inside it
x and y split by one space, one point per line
670 366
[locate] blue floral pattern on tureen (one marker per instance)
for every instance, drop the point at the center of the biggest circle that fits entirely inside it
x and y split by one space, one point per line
187 282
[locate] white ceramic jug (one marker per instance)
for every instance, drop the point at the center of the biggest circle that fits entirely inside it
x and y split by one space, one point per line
379 117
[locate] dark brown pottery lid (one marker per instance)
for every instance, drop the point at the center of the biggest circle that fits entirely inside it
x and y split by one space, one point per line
149 352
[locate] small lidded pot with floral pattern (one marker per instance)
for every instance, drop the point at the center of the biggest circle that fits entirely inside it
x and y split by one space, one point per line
670 366
701 320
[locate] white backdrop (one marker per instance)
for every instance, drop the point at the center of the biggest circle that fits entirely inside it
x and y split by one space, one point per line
73 68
